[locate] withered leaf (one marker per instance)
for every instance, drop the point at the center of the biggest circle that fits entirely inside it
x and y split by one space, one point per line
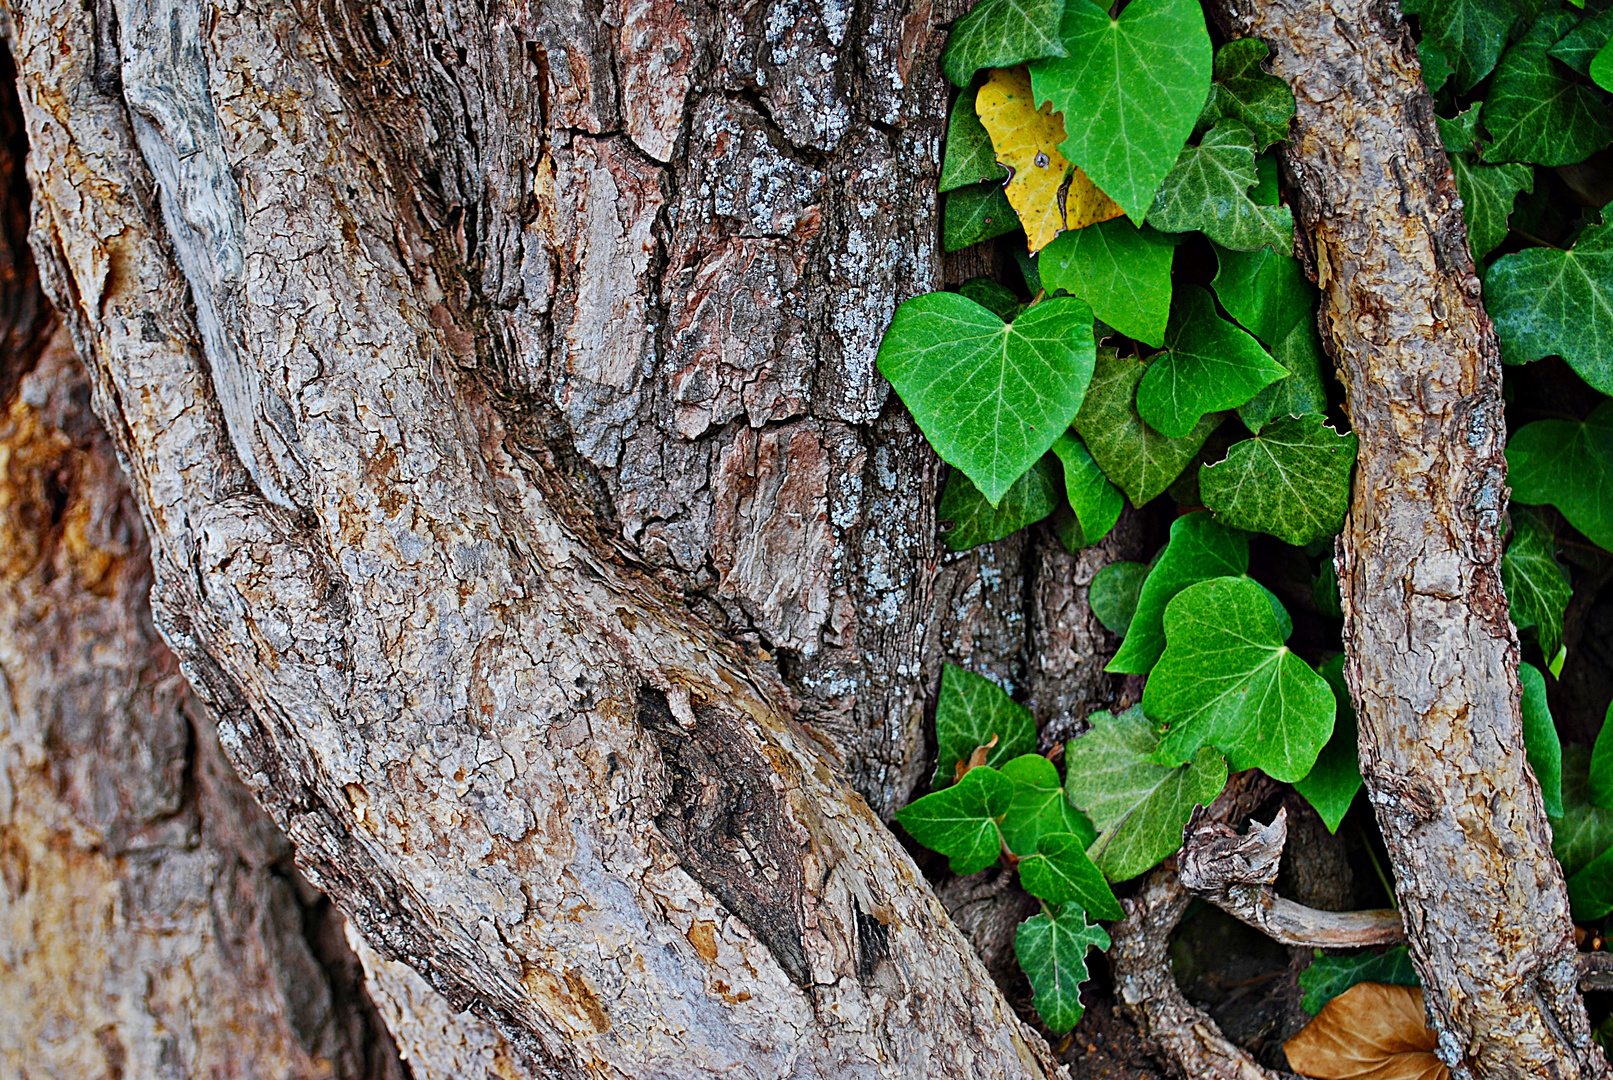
1369 1032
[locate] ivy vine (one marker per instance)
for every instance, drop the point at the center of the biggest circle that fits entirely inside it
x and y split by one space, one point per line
1106 141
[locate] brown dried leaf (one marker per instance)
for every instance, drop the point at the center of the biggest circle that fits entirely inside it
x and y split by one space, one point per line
977 758
1369 1032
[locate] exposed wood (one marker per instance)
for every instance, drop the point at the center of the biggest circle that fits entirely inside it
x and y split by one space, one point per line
1432 655
1190 1043
1235 873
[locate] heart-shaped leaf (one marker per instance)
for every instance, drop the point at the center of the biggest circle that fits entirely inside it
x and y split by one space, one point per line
960 822
1302 391
1329 975
970 158
1331 784
1200 548
1140 460
1124 272
1540 742
1467 35
1061 873
1265 290
1052 951
1112 596
1092 497
975 213
1599 786
1137 82
1569 466
1488 192
1044 189
1138 805
1227 680
1585 830
1547 302
1210 365
990 396
975 521
1245 92
1369 1032
994 296
1578 48
1210 190
1039 807
972 711
1291 481
1537 586
1537 110
1002 33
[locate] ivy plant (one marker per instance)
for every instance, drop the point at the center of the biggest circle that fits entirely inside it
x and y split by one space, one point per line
1155 341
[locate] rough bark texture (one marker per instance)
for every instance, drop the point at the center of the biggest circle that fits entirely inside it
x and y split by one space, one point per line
1433 657
496 383
151 922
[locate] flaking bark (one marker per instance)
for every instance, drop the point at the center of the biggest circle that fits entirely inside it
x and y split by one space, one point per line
497 387
1432 656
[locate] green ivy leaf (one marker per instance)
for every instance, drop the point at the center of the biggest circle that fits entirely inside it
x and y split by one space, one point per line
1331 784
1291 481
1537 110
1461 132
1590 892
971 710
1467 35
1200 548
1599 785
990 397
1095 501
1585 830
1227 680
1569 466
1138 805
1488 192
1302 391
1039 807
960 822
1002 33
1113 594
1537 586
1211 365
993 296
1140 460
1137 83
1436 66
1052 951
1540 742
1124 272
1547 302
1245 92
1209 191
1330 976
1265 290
975 213
1578 48
975 521
1601 69
969 157
1060 872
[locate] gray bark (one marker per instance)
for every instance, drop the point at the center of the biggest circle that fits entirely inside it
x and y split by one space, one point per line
496 386
1432 654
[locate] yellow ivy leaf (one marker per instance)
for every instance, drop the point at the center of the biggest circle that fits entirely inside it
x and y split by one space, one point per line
1047 193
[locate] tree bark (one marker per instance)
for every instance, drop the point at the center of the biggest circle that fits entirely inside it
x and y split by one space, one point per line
1432 655
497 388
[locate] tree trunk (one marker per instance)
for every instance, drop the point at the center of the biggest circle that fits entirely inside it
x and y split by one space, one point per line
497 387
151 922
1432 654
